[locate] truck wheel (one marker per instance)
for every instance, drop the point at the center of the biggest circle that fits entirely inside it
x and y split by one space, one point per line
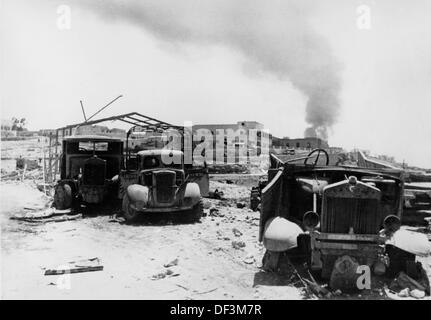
63 197
197 212
129 214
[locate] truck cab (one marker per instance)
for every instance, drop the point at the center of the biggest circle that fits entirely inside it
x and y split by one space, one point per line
160 185
89 168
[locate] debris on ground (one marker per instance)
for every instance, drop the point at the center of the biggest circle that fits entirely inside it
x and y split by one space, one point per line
117 219
37 213
249 259
60 218
172 263
165 273
403 281
84 265
238 244
28 164
236 232
218 195
214 212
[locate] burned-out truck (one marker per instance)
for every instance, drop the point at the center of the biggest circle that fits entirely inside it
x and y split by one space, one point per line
326 212
89 168
160 185
97 169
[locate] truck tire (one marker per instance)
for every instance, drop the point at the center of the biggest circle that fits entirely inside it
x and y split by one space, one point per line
196 213
129 214
63 197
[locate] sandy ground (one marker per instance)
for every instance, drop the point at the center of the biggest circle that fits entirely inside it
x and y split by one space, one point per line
208 266
133 256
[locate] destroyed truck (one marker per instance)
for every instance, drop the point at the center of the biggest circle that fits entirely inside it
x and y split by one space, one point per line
160 185
97 170
89 168
326 212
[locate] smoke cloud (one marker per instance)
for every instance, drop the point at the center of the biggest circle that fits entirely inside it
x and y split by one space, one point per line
275 35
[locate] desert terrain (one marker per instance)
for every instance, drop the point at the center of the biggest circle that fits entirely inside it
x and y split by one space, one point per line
157 258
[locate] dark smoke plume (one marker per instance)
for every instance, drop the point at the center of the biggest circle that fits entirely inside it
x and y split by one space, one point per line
275 35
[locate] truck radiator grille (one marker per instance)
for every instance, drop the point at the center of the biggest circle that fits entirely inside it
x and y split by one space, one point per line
343 213
165 185
94 172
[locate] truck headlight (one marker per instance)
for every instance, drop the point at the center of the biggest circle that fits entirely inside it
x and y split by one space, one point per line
310 220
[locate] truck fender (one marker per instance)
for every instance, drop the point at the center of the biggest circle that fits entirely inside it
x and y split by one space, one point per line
280 234
138 196
192 194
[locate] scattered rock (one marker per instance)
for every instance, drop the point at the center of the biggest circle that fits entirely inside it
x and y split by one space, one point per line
171 263
240 205
249 259
214 212
165 273
159 275
238 244
236 232
216 195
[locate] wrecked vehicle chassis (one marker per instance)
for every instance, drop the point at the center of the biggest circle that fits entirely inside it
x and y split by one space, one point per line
89 168
157 187
321 213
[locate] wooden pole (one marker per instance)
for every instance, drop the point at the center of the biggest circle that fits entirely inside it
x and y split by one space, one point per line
50 158
56 156
83 111
44 174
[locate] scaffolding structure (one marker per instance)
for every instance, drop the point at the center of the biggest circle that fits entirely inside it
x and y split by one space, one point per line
137 121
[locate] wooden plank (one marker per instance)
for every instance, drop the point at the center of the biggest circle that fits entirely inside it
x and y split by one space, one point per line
51 272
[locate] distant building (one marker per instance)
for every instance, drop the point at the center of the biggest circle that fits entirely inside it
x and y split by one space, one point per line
300 143
46 132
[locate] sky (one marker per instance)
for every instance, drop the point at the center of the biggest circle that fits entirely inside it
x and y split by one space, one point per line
228 61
